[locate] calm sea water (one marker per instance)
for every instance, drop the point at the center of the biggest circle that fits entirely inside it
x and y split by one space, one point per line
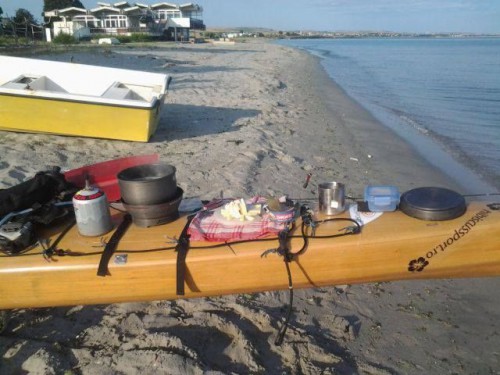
441 95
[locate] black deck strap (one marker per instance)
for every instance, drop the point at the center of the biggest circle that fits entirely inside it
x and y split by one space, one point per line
112 244
182 249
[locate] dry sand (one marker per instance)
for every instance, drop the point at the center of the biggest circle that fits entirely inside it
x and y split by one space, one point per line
255 118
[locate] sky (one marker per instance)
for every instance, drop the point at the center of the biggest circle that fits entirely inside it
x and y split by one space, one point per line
474 16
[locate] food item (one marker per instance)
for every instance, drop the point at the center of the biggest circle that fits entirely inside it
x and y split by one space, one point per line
243 208
237 210
255 210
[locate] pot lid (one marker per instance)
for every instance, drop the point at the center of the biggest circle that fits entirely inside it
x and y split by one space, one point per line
432 203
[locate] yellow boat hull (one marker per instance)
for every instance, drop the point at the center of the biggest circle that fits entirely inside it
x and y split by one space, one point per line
78 118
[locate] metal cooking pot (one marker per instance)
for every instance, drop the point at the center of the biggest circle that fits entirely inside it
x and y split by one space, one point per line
148 184
156 214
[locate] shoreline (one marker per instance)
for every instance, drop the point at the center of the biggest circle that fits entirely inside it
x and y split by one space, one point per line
469 176
385 154
249 119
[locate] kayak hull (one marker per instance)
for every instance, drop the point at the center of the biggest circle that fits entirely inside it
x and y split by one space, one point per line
392 247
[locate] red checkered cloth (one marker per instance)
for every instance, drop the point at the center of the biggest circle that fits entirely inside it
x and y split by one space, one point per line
209 227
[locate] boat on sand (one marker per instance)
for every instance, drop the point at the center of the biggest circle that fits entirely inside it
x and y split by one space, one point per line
79 100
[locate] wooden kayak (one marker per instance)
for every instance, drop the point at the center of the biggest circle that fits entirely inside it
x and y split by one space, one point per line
143 266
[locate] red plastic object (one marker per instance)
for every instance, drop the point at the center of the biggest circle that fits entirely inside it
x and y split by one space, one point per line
104 175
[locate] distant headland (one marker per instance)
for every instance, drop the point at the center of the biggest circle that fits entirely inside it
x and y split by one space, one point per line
309 34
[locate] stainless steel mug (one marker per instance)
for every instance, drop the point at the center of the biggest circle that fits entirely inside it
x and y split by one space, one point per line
331 198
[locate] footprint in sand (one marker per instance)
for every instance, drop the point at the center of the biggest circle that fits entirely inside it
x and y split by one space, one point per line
17 174
61 156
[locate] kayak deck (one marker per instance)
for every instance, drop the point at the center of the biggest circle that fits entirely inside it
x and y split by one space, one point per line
144 265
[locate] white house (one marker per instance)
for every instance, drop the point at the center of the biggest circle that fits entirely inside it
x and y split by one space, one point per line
161 19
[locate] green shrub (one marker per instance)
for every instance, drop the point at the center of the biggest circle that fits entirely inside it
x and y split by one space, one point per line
11 41
212 35
4 41
137 37
124 38
98 36
64 39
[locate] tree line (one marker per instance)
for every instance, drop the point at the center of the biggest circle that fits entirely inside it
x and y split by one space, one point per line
24 24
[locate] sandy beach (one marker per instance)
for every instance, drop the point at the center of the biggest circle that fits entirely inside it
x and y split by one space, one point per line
240 120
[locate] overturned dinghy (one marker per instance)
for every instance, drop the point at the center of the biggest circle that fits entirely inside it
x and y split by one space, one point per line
79 100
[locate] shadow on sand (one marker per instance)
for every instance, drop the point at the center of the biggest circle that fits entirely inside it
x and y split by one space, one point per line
54 330
181 121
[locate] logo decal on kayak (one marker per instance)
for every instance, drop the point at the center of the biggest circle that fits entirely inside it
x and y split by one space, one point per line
418 265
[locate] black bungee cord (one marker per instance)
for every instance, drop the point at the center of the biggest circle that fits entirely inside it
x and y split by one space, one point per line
289 256
283 250
53 251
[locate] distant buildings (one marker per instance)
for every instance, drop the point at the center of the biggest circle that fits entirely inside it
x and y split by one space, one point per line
171 21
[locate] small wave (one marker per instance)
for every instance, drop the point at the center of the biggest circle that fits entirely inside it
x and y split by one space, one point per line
414 124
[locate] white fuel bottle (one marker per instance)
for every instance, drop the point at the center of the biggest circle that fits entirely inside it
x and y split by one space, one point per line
92 212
